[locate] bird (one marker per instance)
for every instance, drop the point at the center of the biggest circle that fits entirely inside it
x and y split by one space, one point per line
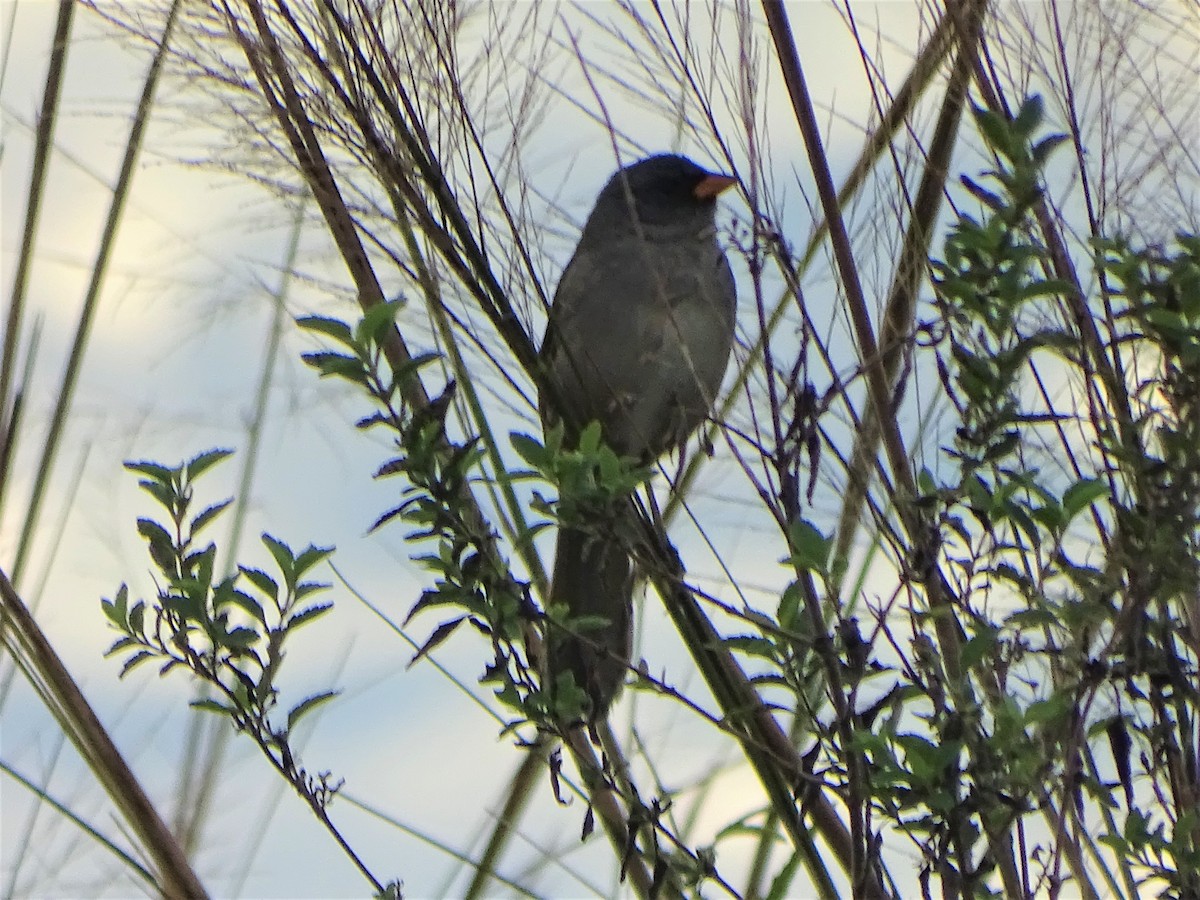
638 337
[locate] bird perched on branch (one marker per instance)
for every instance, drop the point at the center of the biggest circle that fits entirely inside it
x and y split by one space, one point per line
638 338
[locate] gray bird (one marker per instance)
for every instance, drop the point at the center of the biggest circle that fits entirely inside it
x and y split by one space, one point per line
638 338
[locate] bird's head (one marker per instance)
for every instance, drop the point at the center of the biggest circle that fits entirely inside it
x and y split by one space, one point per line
663 190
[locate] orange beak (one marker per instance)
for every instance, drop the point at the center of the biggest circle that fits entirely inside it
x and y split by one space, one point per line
712 186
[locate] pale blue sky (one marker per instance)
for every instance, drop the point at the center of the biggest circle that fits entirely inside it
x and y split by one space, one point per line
172 367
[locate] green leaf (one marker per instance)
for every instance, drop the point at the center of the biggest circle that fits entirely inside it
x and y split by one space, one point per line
869 742
1033 617
1083 494
120 644
389 516
570 700
1029 116
978 648
995 130
418 362
530 449
751 646
165 494
207 515
1048 711
554 438
154 533
439 635
591 438
305 588
186 605
1050 515
337 365
240 638
248 603
152 470
375 320
1008 572
160 544
284 558
310 557
429 599
927 486
1045 147
810 548
201 565
137 617
989 199
116 609
789 607
201 463
307 705
136 660
926 760
375 418
209 705
308 614
397 466
330 328
262 581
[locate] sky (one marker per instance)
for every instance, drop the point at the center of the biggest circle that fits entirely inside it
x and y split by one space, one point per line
173 366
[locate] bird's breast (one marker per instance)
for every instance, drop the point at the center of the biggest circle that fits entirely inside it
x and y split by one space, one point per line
643 331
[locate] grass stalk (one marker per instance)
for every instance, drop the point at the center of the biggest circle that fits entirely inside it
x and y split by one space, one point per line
58 690
45 799
108 240
44 141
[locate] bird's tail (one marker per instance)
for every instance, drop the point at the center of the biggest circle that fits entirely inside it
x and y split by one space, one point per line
593 580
